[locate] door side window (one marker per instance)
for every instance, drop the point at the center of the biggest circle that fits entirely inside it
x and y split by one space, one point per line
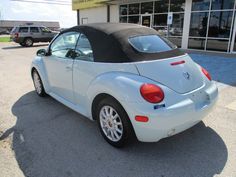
23 30
64 44
34 30
83 49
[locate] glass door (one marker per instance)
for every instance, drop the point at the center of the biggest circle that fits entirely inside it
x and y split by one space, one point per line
146 20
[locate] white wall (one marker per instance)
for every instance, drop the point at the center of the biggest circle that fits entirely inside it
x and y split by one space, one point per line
94 15
114 13
187 18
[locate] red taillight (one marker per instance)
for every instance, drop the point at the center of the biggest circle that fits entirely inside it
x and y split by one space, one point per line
141 118
207 74
16 35
152 93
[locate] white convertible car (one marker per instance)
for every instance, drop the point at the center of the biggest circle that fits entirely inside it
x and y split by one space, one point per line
133 82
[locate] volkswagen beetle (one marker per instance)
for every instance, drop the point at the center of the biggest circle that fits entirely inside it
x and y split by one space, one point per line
129 79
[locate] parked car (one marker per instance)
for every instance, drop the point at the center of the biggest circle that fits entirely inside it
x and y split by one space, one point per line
29 34
5 32
129 79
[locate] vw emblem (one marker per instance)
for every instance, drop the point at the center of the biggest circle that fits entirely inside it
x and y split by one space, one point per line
186 75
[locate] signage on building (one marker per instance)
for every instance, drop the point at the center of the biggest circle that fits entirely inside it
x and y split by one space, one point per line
170 18
84 4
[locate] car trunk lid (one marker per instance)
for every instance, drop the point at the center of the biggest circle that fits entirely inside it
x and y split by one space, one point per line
179 73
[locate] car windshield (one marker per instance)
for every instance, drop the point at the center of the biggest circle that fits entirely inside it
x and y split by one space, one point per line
151 44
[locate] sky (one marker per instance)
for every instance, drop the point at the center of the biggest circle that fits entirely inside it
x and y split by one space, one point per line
25 10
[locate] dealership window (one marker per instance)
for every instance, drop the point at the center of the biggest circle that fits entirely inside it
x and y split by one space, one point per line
161 6
222 4
220 24
196 43
177 5
134 9
211 24
176 40
217 44
234 44
211 21
123 9
200 5
160 19
133 19
147 7
198 24
123 19
176 29
132 13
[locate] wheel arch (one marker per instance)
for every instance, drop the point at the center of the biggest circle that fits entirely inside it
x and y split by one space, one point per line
102 96
37 65
96 101
28 37
123 87
32 70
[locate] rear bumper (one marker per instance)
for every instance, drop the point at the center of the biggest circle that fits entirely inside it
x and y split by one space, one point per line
172 119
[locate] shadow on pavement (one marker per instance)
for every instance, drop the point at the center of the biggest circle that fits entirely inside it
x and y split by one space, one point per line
21 47
222 69
50 140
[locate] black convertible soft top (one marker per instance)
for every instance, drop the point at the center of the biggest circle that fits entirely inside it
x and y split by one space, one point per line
109 42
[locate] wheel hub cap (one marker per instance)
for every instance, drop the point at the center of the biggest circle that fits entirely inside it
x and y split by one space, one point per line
28 42
111 123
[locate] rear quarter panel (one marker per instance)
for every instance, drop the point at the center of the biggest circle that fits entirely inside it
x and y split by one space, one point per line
91 79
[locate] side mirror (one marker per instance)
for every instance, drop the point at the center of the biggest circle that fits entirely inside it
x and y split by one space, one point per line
41 52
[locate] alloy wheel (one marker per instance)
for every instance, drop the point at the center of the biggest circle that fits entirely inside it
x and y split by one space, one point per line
28 42
111 123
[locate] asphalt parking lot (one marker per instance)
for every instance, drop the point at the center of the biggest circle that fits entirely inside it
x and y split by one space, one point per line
39 137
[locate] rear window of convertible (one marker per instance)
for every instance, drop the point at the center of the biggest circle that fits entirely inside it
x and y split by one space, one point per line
151 44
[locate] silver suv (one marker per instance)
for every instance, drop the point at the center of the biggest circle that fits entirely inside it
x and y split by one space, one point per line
28 35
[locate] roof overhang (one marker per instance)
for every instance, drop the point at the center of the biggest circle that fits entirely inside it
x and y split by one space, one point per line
84 4
115 2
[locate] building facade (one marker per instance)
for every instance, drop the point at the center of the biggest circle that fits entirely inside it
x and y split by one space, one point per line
191 24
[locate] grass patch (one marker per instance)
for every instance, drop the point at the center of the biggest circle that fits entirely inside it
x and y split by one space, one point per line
4 39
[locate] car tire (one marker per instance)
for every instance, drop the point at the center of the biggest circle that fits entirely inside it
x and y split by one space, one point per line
38 84
114 123
28 42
